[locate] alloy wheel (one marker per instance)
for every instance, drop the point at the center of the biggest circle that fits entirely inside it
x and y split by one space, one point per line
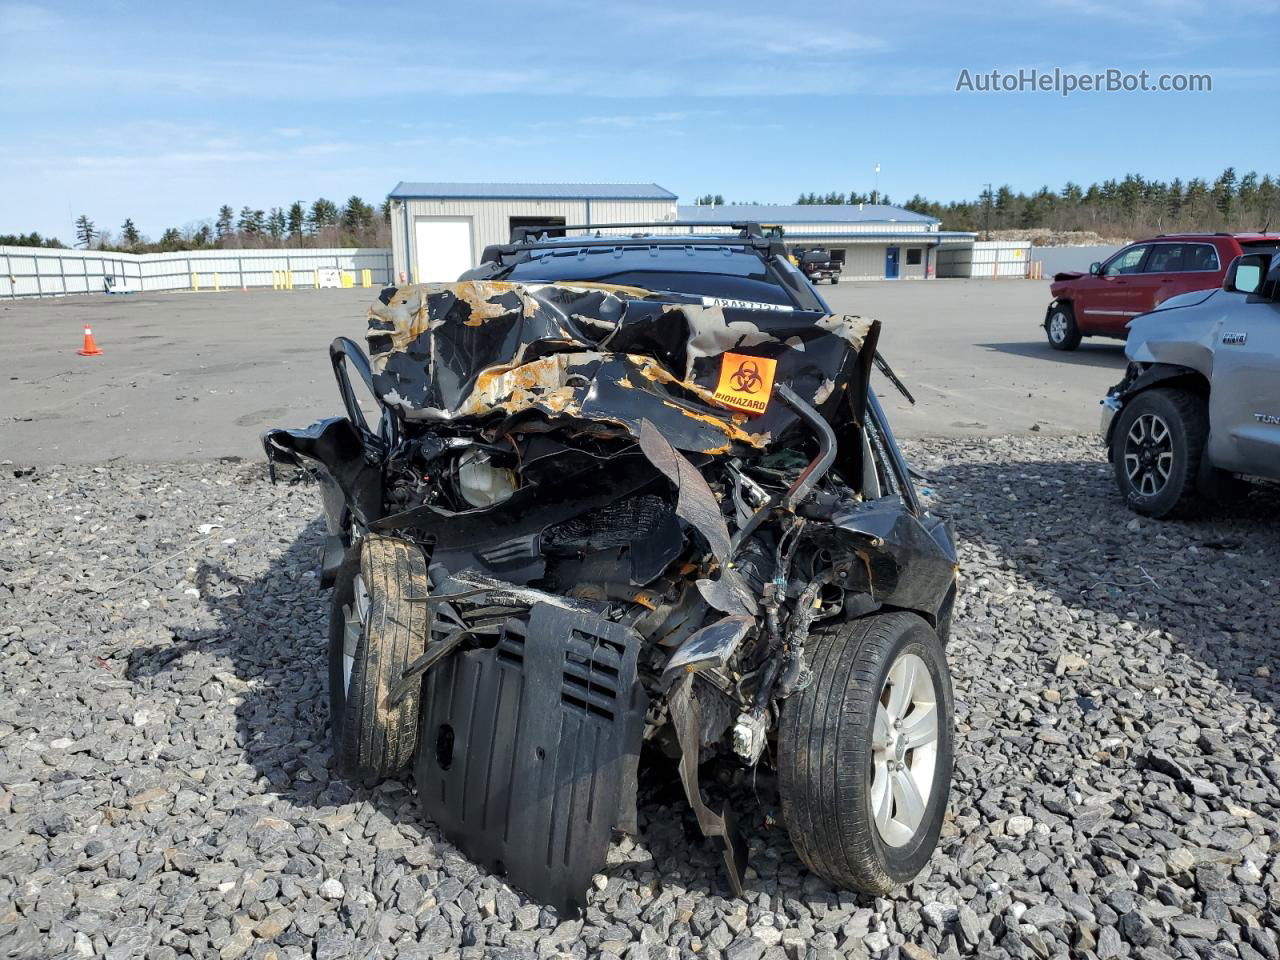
904 750
1058 327
355 616
1148 454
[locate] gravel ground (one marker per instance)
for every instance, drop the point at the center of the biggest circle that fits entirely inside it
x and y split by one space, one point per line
165 788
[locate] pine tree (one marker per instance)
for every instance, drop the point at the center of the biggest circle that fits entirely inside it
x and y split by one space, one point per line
356 215
223 224
248 223
86 232
297 219
324 213
276 223
129 234
1173 200
1224 191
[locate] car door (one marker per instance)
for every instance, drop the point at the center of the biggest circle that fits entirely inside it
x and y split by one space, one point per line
1114 295
1182 268
1100 298
1244 399
1162 273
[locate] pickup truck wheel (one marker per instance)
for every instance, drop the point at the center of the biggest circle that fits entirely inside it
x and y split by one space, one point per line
1060 327
1156 451
375 632
864 752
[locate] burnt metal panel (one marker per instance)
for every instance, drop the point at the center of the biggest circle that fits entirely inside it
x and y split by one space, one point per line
528 750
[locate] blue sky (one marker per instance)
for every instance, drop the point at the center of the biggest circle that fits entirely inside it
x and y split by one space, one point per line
162 112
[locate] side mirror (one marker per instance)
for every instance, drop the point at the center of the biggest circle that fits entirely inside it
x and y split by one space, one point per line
1246 273
1095 268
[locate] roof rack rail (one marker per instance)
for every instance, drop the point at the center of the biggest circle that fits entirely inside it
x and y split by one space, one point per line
745 228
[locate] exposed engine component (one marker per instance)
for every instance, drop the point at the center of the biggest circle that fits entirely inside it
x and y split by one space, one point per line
749 737
482 484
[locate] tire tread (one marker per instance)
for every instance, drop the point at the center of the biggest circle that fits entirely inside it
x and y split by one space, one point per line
373 739
824 752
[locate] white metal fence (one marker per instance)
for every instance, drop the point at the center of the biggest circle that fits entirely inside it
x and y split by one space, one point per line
991 259
45 272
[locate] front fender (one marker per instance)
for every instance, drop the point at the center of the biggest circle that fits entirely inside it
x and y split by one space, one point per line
1048 311
350 483
1137 379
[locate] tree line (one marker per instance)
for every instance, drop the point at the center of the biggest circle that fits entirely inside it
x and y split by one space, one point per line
1130 207
321 223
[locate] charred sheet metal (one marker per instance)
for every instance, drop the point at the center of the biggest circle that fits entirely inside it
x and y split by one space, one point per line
686 718
712 646
698 507
603 357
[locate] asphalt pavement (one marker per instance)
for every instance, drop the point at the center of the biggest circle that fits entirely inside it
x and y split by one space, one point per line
187 376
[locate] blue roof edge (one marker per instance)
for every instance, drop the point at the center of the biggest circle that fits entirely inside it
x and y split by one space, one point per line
412 190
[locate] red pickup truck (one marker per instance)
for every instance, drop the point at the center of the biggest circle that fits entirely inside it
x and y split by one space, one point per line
1137 279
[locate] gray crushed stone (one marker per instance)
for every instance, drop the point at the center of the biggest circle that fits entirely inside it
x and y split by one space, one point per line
165 788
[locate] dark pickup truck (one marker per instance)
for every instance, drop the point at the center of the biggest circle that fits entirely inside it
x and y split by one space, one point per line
818 265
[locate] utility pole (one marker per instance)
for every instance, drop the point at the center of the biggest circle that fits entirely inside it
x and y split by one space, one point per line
875 194
986 214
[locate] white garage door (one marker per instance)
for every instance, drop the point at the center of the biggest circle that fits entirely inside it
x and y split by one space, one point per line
444 248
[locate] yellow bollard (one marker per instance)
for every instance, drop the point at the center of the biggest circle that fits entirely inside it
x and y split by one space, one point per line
316 274
348 280
217 288
195 283
366 278
288 280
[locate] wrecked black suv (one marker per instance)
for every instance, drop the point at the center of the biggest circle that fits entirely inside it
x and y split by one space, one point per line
624 493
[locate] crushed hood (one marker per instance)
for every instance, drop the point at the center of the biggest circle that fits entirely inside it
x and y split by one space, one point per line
528 357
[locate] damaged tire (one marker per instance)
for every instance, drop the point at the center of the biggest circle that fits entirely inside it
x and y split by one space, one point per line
375 632
864 752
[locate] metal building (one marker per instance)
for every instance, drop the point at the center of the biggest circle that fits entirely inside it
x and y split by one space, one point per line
873 241
438 230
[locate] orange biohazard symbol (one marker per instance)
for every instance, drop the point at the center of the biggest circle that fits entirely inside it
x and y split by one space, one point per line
745 382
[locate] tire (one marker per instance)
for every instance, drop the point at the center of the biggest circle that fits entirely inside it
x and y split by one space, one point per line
829 762
372 740
1060 327
1156 452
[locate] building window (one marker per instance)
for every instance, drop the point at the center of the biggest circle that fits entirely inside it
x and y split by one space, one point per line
913 257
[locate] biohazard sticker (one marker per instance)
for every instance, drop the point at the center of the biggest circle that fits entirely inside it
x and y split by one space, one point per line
745 382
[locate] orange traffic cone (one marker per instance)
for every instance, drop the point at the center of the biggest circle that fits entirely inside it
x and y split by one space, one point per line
90 348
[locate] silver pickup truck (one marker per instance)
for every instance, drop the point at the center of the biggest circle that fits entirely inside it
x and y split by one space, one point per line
1199 406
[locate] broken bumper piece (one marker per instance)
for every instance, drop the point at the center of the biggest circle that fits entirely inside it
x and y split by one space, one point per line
529 747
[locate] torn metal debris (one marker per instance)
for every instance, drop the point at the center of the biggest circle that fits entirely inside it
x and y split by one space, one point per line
634 510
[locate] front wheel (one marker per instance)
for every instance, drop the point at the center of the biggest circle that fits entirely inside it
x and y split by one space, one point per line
1156 451
864 752
1060 327
377 627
